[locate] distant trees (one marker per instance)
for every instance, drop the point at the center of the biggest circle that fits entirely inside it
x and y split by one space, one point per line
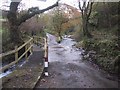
104 14
85 9
34 26
58 19
15 21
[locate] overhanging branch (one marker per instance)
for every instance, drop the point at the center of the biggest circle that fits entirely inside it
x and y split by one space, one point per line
29 15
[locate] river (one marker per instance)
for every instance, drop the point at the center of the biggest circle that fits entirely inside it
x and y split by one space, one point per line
68 70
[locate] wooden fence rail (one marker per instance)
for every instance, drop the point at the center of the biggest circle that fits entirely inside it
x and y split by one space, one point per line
38 40
43 41
28 48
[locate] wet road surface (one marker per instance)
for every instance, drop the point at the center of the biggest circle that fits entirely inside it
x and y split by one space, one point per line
67 70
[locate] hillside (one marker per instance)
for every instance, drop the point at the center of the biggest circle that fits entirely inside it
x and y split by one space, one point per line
73 14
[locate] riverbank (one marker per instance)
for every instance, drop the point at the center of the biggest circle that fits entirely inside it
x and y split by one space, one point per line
28 74
103 50
67 69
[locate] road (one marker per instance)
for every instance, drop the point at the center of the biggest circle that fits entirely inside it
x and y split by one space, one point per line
68 70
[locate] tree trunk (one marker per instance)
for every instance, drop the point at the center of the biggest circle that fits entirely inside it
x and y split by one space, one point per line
15 22
86 11
12 18
59 33
85 26
15 36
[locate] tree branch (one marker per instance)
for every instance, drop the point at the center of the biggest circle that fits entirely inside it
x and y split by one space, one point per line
88 5
91 4
84 5
80 6
29 15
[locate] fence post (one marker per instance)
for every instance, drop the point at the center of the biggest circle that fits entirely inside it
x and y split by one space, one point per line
26 55
37 40
31 50
33 39
32 44
16 53
46 57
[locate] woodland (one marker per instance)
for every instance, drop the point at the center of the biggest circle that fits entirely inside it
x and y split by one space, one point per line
94 26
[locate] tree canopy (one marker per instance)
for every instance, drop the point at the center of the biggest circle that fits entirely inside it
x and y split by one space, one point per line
15 21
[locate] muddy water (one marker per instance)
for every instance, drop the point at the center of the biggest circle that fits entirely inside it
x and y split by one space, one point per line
67 69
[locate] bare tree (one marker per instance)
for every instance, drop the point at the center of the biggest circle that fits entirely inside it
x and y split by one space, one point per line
15 21
86 8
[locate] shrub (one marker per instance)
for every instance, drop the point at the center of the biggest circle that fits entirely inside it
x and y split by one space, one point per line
107 52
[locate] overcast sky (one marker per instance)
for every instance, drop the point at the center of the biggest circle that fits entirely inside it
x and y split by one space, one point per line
41 4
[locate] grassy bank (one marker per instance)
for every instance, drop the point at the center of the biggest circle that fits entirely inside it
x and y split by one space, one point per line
105 45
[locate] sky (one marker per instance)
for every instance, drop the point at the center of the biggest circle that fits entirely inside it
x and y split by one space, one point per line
40 3
45 3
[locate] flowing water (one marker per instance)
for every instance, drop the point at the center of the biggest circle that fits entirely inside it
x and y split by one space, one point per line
68 70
